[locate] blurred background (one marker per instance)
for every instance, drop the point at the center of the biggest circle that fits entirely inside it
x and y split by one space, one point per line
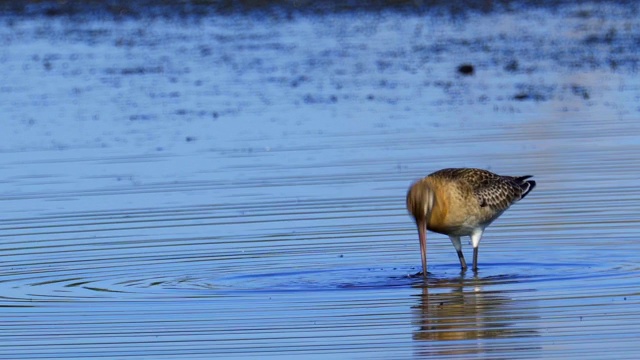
218 179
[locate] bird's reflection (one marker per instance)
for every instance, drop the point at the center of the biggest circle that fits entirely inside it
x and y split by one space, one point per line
461 309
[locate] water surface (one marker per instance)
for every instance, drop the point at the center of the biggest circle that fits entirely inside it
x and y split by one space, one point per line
233 187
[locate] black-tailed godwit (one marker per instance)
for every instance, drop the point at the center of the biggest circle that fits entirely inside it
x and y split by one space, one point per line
462 202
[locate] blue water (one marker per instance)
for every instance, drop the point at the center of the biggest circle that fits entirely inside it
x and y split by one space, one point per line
233 187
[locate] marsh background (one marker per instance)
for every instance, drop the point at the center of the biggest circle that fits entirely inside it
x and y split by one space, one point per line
197 179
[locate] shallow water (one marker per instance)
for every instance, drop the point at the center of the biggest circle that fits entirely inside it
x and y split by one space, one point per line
233 187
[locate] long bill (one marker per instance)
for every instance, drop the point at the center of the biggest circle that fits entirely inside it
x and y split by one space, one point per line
422 234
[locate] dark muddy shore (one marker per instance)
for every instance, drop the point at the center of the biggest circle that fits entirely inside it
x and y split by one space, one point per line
197 8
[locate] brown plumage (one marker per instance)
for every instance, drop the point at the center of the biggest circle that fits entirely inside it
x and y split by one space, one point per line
462 202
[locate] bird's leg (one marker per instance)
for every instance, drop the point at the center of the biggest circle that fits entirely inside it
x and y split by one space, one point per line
475 259
463 263
475 242
455 240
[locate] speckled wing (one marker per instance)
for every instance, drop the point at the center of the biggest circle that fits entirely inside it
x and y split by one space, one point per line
468 175
502 191
498 194
493 190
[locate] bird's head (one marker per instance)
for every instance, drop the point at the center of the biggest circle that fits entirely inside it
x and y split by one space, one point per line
420 199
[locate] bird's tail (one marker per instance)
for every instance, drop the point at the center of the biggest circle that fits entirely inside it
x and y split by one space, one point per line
525 185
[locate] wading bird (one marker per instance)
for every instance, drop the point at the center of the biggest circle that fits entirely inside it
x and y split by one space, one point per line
462 202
